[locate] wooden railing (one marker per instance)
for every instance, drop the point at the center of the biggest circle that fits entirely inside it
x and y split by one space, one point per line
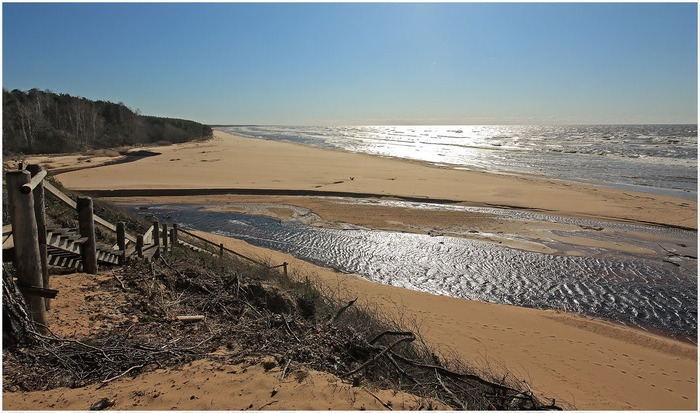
25 189
66 200
163 235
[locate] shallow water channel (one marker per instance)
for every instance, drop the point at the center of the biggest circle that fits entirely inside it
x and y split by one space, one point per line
640 290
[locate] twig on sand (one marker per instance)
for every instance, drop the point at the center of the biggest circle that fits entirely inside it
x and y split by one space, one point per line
378 399
124 373
675 254
286 366
268 404
120 281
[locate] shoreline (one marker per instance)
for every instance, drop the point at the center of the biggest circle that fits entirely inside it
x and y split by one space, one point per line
239 163
582 344
582 181
589 363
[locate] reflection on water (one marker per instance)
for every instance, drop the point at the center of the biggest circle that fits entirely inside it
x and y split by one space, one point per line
637 290
650 158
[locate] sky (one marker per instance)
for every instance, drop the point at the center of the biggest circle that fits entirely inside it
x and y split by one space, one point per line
364 63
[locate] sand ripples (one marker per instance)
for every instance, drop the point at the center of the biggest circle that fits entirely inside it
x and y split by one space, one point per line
637 290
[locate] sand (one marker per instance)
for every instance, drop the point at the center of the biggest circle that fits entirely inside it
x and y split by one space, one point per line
83 308
586 363
228 161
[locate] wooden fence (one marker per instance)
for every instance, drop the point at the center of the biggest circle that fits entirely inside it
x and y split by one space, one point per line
176 229
25 189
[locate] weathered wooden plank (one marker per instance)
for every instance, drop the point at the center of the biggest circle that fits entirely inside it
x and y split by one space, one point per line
87 229
38 292
36 187
25 235
60 195
36 179
66 199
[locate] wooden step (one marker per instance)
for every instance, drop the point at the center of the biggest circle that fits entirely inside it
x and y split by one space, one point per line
195 248
151 252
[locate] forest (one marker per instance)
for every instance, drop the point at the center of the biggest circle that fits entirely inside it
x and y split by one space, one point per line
38 121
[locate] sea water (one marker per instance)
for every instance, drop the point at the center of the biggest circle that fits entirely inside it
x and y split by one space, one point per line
642 290
648 158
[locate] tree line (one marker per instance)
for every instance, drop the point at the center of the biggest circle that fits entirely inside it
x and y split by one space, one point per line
38 121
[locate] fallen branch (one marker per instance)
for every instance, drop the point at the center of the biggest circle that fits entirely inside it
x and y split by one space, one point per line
452 374
342 310
268 404
675 254
190 318
402 371
290 330
455 398
286 366
373 359
391 333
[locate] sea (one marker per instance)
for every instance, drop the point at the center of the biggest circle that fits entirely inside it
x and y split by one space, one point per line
649 291
660 159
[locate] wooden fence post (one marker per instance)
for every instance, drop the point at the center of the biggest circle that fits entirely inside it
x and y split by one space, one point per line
173 235
221 250
86 225
165 237
121 241
25 236
139 246
284 265
156 234
40 216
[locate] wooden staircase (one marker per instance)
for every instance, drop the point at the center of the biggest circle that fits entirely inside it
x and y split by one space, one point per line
63 247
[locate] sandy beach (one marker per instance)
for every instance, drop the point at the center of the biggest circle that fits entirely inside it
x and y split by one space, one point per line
585 363
229 162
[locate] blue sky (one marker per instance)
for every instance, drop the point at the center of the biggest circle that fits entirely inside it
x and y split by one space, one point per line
313 64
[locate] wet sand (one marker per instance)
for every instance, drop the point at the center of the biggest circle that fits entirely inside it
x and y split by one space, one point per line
587 363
